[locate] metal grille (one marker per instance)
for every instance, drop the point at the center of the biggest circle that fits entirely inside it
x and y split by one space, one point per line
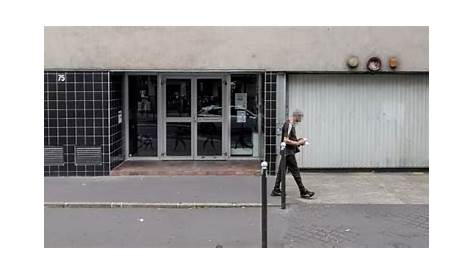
53 156
88 156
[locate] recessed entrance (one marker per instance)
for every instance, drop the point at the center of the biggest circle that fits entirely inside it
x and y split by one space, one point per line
193 116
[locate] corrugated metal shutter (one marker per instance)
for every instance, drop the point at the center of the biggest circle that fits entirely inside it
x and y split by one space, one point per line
362 120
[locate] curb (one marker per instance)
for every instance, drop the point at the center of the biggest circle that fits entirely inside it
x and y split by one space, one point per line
150 205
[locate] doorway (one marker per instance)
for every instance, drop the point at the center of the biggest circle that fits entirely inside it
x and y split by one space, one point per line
192 116
195 117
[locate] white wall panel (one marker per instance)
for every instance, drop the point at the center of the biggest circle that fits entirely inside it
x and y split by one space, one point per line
362 120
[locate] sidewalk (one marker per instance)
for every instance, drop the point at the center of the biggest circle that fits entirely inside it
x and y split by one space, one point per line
330 188
364 188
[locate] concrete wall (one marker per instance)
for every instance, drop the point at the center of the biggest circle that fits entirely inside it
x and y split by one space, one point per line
208 48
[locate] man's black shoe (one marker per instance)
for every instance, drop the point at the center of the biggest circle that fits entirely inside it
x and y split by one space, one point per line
276 192
307 194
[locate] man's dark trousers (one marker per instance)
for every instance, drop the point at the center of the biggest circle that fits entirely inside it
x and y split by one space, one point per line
293 167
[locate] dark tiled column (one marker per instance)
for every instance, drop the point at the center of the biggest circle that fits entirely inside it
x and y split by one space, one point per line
270 120
77 115
116 153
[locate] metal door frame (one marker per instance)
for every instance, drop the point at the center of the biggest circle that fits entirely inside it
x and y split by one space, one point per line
194 120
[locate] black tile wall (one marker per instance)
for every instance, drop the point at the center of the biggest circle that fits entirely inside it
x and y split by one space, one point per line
116 153
270 121
77 114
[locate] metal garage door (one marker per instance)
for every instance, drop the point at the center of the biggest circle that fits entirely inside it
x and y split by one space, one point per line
362 120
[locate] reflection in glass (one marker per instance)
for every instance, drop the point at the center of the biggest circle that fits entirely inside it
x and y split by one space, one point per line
143 115
178 97
244 115
209 97
209 139
178 139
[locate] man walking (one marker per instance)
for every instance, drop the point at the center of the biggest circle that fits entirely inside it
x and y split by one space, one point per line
288 135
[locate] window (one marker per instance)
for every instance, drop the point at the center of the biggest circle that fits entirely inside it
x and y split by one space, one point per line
244 115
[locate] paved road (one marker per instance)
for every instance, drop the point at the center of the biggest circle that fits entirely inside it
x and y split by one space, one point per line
301 225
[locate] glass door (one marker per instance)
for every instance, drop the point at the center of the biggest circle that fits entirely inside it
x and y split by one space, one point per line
194 117
179 118
209 118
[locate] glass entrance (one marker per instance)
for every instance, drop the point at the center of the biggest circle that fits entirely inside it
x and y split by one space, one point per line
194 117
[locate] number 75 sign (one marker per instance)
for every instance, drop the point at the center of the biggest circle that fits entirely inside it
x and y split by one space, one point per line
61 77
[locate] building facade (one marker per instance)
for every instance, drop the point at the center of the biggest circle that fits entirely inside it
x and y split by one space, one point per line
114 94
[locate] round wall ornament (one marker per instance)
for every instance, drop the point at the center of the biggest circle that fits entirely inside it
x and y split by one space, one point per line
352 62
374 64
393 62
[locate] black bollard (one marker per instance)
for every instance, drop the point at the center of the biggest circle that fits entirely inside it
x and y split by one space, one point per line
283 174
264 204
